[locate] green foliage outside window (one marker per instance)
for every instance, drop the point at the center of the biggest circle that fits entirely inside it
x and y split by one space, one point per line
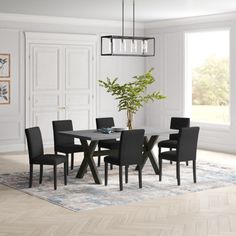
211 83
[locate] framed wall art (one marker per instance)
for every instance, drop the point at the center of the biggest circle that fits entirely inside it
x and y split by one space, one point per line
4 92
5 66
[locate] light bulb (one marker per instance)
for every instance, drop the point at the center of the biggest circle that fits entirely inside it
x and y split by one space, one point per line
123 45
133 46
145 46
142 47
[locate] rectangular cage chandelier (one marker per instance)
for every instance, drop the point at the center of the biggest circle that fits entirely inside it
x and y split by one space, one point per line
121 45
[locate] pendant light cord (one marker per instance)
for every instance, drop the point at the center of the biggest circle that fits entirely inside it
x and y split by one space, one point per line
133 18
123 17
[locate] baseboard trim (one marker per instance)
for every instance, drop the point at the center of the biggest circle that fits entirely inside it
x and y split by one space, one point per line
12 148
217 148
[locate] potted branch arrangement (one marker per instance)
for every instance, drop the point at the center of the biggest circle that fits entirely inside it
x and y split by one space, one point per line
132 95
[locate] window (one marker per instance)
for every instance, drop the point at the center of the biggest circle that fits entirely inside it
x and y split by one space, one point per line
207 76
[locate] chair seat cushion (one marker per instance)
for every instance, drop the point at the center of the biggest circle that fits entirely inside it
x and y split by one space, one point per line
109 144
168 143
170 155
112 160
70 148
49 159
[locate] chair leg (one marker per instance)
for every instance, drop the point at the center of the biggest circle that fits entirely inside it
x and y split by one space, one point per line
171 161
126 174
121 178
99 157
41 174
186 163
140 177
55 176
178 172
67 156
111 167
99 161
106 173
194 172
65 173
160 169
31 176
72 161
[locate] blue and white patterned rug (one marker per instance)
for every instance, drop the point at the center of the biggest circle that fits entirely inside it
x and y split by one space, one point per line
83 194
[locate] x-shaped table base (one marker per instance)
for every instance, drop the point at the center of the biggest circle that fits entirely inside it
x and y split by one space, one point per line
147 153
88 161
89 153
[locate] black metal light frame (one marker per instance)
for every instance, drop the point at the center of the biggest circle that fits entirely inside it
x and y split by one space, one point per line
112 53
134 38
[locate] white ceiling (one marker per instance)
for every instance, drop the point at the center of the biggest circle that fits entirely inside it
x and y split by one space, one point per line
146 10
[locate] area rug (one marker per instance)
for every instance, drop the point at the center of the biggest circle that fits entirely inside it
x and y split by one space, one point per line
83 194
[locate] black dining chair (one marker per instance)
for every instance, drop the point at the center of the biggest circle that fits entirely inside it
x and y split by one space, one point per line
37 156
176 123
62 143
186 151
113 144
130 153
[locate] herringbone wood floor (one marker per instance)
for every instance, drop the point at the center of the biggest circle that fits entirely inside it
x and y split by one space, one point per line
211 212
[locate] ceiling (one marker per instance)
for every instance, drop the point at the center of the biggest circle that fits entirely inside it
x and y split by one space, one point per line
146 10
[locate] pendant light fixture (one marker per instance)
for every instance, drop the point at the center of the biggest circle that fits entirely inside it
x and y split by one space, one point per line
121 45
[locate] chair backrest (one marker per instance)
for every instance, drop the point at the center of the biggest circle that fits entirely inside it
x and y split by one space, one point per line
34 141
62 125
131 146
187 144
178 123
105 122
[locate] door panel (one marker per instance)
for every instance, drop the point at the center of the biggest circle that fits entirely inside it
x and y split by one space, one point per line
77 100
78 68
46 68
46 100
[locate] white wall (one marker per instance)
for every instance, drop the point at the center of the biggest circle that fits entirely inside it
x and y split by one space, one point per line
12 115
169 69
12 28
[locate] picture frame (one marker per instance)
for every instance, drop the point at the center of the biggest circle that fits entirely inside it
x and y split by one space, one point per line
5 65
4 92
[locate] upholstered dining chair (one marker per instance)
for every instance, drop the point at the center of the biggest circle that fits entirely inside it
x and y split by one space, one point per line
37 156
176 123
130 153
186 151
65 144
106 122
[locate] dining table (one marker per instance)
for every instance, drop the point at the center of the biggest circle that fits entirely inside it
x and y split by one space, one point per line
89 140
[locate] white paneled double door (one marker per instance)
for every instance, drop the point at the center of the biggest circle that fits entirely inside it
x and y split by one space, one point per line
60 84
